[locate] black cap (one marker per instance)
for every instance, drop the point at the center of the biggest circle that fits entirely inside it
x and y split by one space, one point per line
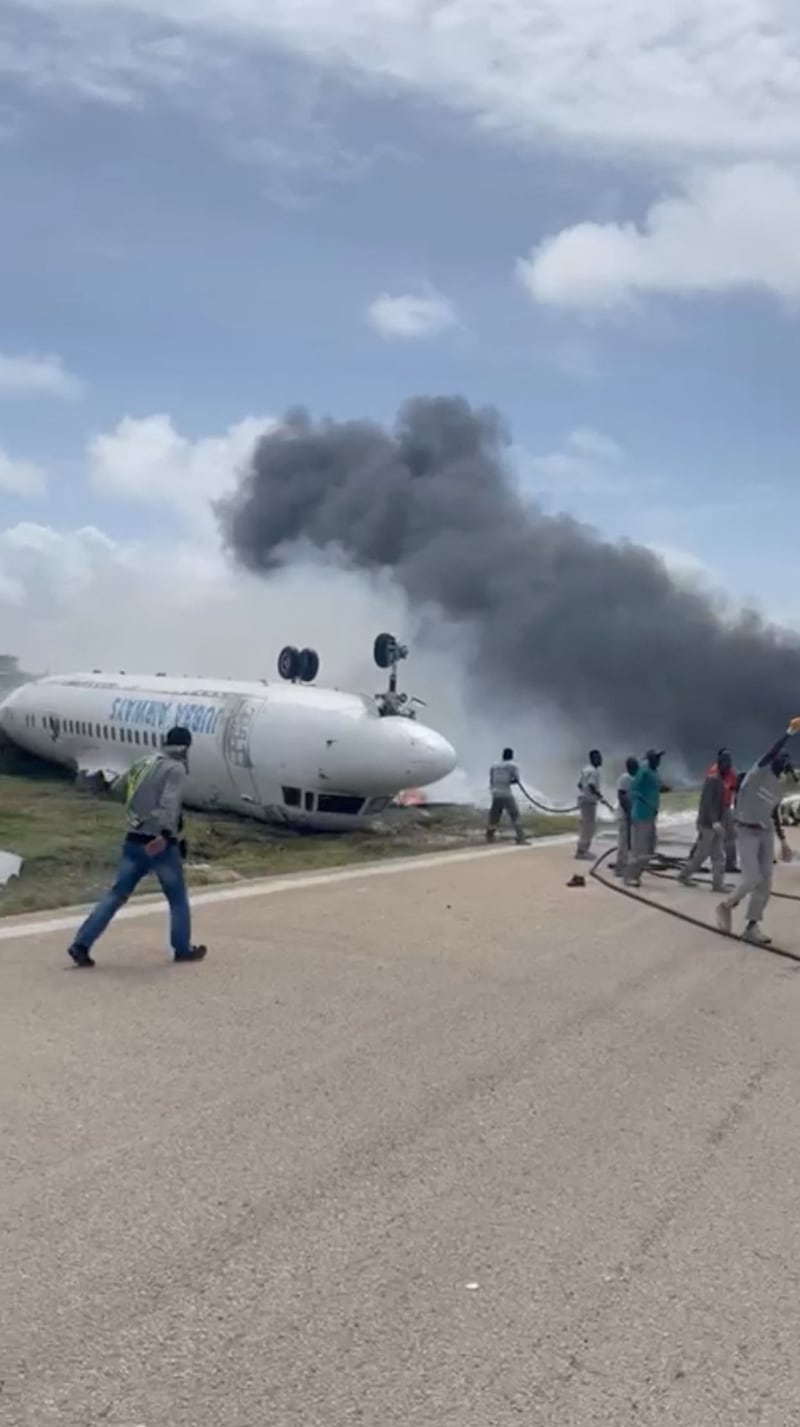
655 753
178 737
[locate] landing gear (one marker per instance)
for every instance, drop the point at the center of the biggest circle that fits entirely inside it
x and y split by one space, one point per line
298 666
387 653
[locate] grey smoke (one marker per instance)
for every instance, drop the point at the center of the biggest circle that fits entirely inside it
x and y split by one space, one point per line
600 631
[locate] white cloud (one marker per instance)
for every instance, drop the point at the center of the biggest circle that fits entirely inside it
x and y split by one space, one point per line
587 464
411 316
207 616
147 460
685 566
20 477
683 76
595 445
28 375
729 229
179 605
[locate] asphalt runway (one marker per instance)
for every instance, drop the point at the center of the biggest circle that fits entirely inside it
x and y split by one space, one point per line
453 1146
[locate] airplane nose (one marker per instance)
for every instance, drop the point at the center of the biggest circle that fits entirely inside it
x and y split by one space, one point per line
430 757
386 755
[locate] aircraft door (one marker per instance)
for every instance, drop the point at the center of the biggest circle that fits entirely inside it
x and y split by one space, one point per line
240 717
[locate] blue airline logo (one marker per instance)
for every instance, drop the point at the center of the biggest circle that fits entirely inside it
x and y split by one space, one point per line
161 715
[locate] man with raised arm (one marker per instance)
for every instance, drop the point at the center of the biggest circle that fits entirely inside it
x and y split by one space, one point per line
756 825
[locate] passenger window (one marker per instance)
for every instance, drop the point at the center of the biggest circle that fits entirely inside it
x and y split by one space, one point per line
291 797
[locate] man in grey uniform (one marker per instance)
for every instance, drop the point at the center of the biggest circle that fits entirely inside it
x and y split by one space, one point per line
756 825
153 790
502 778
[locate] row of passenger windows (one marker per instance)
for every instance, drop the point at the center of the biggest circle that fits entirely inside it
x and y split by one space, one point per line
84 729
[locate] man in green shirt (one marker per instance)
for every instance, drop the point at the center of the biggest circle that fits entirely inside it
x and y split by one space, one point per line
645 797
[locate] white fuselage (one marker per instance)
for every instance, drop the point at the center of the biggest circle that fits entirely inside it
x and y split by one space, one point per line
292 753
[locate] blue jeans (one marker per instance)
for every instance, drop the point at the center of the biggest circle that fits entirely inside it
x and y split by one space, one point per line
134 865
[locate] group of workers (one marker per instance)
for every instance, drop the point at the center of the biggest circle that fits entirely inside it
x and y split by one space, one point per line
737 815
737 821
639 799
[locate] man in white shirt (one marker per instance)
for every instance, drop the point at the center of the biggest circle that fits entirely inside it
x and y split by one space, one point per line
624 816
590 794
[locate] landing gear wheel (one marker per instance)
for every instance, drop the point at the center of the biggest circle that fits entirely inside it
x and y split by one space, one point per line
289 662
384 650
308 665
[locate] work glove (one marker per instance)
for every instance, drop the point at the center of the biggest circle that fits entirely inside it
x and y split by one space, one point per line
786 852
716 827
794 726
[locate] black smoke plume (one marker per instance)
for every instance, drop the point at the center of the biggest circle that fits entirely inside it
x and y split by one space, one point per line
601 631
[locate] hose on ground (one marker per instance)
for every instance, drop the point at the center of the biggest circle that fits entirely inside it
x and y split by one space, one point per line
666 865
596 871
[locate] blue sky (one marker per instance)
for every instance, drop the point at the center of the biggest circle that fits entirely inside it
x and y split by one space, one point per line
201 203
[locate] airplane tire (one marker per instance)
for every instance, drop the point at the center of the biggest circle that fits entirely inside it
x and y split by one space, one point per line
308 665
383 650
289 662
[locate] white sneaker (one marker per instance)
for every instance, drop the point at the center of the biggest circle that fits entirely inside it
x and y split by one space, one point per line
754 934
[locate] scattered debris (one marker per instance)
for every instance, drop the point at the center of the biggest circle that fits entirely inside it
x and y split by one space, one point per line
10 866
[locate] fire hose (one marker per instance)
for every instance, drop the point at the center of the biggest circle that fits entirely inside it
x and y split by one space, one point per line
666 867
543 808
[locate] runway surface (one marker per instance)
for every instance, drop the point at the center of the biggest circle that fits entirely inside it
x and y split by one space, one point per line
450 1147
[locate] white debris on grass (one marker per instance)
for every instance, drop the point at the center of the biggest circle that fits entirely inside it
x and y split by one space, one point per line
10 866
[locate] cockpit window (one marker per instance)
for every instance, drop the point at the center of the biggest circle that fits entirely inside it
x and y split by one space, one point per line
340 803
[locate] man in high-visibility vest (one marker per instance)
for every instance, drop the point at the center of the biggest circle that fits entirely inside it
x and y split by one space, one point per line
153 790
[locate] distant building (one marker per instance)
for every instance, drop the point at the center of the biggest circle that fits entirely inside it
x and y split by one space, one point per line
11 676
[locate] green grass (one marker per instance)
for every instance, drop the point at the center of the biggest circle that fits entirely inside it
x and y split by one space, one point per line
70 841
681 801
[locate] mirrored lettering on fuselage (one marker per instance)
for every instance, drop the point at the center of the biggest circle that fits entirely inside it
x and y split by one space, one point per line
160 715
